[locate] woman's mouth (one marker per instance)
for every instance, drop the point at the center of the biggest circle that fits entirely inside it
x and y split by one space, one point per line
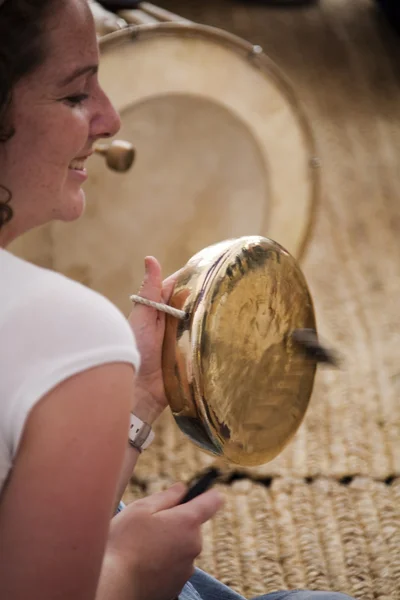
77 169
78 164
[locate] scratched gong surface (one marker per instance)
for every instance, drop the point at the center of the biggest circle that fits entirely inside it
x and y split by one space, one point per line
237 384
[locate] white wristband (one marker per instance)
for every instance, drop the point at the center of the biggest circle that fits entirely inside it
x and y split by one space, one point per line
140 434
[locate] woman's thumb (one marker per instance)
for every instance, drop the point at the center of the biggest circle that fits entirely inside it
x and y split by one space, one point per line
152 282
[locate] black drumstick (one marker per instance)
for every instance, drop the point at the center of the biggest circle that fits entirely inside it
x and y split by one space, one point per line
115 5
201 485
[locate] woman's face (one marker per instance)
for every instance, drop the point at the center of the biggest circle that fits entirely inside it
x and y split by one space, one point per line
58 112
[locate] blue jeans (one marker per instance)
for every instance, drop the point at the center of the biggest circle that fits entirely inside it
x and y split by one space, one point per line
204 587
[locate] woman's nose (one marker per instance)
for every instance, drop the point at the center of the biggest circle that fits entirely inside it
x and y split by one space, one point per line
106 122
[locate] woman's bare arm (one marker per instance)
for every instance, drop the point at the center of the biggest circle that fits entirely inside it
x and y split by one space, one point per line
56 509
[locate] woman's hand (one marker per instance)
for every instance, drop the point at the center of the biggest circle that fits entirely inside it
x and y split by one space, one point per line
153 544
148 325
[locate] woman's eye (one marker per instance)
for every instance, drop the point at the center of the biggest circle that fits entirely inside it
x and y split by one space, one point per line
77 99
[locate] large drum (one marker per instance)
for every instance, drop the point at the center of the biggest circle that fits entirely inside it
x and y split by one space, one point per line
223 150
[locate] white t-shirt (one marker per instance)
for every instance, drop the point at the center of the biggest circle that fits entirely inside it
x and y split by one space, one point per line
50 329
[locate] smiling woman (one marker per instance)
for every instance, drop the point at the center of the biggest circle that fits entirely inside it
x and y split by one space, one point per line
52 109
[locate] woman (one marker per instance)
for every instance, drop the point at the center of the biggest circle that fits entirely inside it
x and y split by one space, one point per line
69 361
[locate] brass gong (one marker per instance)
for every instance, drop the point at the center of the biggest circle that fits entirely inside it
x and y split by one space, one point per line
237 383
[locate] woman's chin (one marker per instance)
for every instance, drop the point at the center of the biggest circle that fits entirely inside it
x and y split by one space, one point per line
71 207
74 206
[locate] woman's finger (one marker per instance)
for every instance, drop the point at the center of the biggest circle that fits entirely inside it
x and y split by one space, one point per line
166 499
152 281
143 316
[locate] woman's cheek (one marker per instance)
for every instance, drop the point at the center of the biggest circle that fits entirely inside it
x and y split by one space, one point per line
79 127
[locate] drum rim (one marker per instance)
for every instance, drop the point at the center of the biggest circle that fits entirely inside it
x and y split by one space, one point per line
258 57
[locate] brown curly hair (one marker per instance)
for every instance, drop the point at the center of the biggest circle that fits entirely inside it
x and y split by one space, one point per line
22 49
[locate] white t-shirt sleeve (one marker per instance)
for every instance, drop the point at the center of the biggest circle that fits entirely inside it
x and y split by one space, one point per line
53 332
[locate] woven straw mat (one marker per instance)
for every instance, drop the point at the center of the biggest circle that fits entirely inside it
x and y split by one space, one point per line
323 535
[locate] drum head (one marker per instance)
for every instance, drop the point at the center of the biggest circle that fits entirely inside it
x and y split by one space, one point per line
222 150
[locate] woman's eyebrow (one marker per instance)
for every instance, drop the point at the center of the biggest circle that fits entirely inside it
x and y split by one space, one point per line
91 69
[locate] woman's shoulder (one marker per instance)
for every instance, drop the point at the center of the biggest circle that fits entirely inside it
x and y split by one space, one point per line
39 302
23 283
51 328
